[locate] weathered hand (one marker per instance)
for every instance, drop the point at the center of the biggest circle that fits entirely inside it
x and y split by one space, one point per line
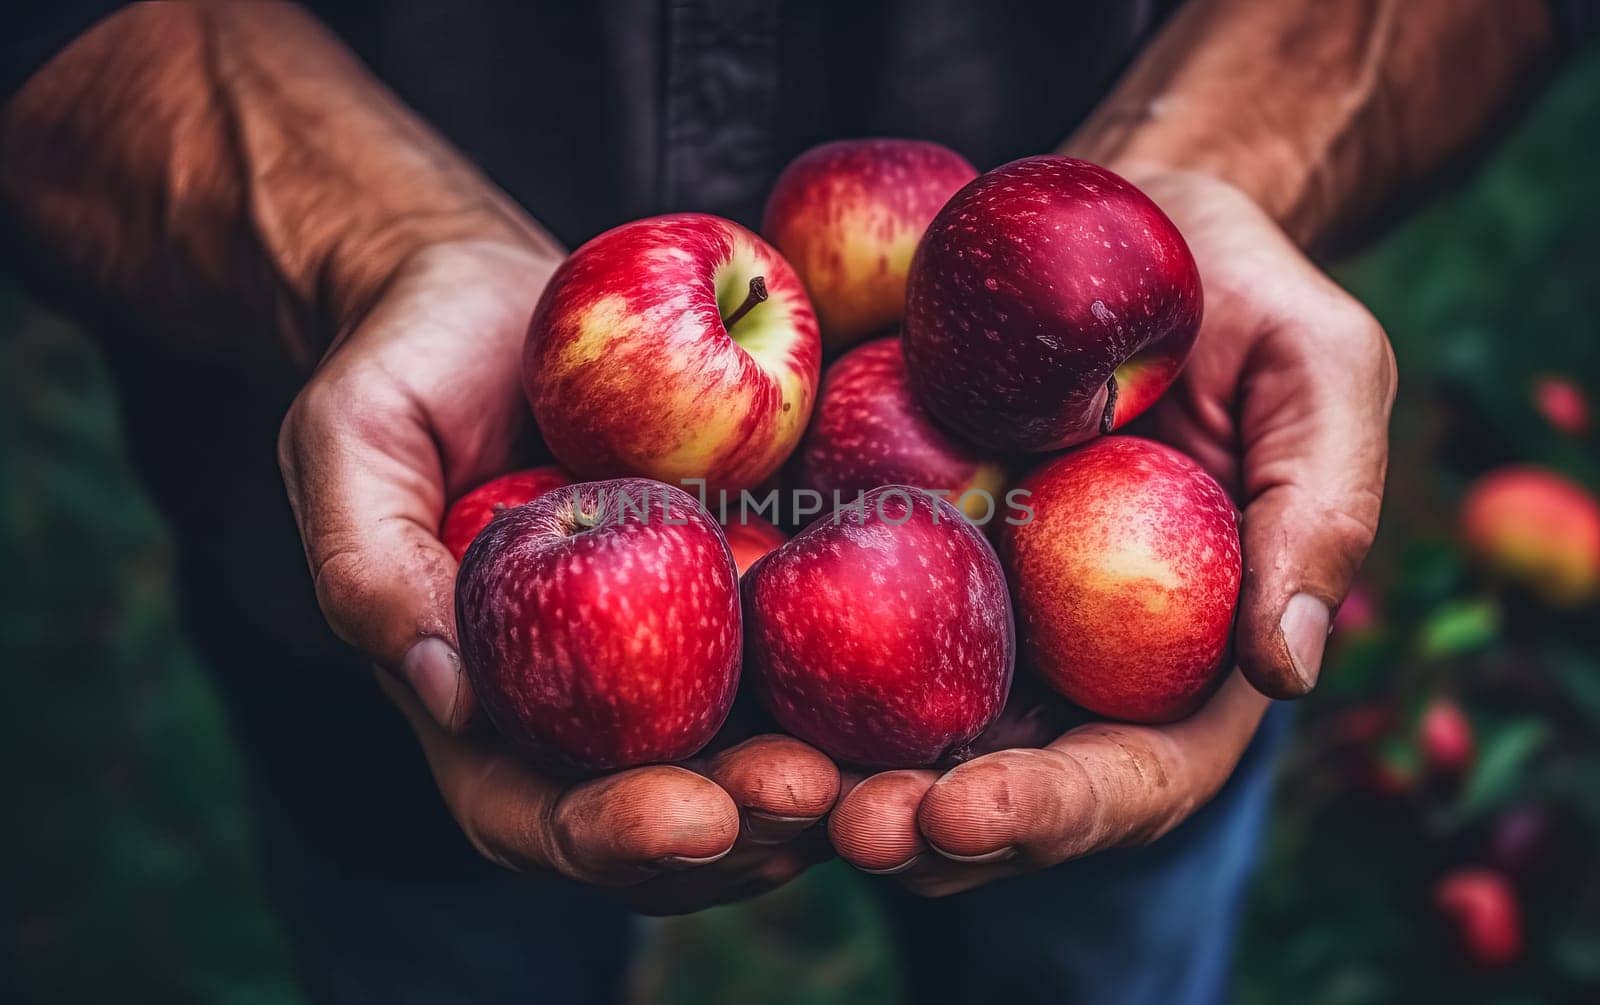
1286 401
419 402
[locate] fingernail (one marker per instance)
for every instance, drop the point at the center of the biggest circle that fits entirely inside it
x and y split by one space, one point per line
998 855
1305 633
893 870
677 863
769 828
433 669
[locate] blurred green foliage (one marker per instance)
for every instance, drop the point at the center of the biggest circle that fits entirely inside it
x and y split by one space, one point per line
128 862
130 870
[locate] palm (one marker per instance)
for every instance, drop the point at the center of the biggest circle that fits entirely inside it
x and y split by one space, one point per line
442 350
1239 381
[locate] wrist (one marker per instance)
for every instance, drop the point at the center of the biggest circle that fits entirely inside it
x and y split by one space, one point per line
363 262
1154 155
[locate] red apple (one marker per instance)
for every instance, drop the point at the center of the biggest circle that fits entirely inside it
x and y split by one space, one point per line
473 511
882 634
1562 403
848 216
1481 907
677 348
1126 578
869 431
1049 301
1445 735
750 537
1536 528
599 624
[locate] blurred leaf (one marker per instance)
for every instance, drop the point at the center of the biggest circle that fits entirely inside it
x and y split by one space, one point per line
1359 665
1459 628
1580 677
1502 764
1577 955
1431 571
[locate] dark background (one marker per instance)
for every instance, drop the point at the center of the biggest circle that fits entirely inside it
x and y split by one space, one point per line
129 871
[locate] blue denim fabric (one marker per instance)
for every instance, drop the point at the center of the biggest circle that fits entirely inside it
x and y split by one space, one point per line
1142 926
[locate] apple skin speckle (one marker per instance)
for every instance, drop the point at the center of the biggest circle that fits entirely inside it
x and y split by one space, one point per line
870 430
884 638
848 215
1029 291
1126 579
600 627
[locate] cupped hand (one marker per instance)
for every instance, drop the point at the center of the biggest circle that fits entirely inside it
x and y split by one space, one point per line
419 402
1285 400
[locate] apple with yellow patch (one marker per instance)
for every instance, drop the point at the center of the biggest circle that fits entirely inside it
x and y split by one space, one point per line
1125 579
848 215
1537 528
678 348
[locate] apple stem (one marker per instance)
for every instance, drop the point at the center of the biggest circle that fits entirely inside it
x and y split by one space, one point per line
758 293
1108 418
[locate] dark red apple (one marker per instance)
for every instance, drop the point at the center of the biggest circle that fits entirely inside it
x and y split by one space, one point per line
1049 301
750 537
869 430
1482 909
848 215
1125 578
473 511
882 634
599 624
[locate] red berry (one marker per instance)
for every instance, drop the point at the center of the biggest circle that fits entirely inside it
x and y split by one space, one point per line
1482 910
1445 735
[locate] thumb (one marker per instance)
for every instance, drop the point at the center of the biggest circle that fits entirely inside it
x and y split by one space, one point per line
1316 451
364 481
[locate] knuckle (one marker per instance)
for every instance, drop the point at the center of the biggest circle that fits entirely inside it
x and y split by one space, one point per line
1350 529
1370 354
504 836
568 851
343 585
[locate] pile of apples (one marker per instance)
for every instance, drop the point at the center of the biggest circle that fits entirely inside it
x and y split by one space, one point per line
974 323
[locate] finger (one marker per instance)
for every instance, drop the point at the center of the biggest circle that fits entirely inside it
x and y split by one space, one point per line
1315 454
1099 786
364 483
874 827
613 831
781 785
658 817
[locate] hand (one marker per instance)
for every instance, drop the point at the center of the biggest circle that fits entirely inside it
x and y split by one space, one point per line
419 402
1286 401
